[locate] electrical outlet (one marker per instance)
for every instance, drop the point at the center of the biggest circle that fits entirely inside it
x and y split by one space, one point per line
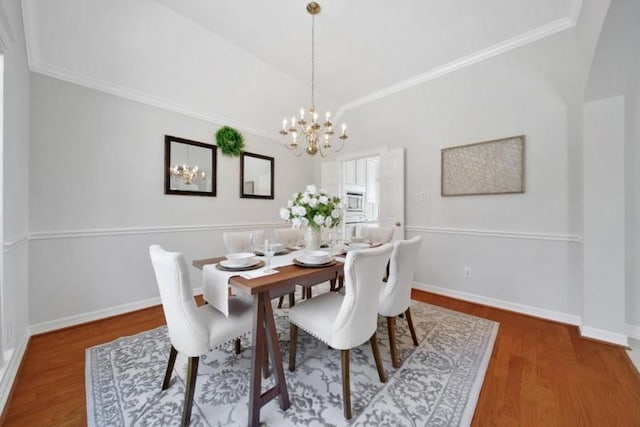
423 195
467 273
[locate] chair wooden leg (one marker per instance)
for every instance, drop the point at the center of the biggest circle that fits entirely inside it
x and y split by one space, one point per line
411 328
376 356
192 375
170 363
280 301
237 346
292 299
346 388
391 326
293 343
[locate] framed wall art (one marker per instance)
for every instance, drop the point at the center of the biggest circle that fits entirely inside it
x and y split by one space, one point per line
189 167
489 167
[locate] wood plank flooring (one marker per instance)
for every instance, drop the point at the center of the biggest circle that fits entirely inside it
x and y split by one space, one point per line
541 373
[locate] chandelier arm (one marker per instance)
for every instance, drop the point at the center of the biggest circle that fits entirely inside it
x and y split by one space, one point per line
312 137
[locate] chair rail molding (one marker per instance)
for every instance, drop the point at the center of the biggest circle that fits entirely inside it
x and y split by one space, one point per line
12 244
74 234
496 233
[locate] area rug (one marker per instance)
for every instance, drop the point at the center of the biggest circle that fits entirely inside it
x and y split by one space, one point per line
437 384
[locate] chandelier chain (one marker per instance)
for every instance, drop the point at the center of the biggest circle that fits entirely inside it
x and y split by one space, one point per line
313 60
311 134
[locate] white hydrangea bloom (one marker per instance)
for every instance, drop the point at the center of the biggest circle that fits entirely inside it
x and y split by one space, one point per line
318 219
285 214
328 222
311 189
305 199
290 204
299 210
336 213
313 202
323 200
296 222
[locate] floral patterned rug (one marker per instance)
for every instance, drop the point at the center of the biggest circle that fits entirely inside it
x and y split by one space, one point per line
437 384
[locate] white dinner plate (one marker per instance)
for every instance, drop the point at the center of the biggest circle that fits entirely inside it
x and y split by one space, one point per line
226 264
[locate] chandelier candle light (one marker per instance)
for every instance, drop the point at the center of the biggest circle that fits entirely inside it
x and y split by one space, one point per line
316 136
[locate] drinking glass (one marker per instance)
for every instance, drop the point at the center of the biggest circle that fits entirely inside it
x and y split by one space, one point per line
254 240
269 251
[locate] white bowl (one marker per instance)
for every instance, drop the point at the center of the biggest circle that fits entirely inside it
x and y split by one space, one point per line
314 257
239 259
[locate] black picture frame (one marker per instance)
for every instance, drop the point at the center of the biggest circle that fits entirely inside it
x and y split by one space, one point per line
178 151
253 180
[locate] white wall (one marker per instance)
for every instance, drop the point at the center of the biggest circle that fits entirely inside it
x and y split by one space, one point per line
523 249
97 199
616 73
15 190
604 220
632 199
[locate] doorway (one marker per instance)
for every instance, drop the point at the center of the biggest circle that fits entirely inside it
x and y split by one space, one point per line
378 183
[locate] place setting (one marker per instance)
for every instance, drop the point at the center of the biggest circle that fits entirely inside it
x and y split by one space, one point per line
314 259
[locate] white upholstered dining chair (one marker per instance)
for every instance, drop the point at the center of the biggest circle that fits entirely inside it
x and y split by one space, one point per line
345 321
289 237
240 241
193 331
377 234
395 296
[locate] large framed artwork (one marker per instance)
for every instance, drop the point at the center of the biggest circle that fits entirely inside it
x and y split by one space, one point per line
489 167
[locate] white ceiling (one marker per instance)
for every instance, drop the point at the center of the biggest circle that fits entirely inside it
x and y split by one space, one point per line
170 52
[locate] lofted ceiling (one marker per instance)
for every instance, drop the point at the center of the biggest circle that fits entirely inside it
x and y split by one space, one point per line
247 62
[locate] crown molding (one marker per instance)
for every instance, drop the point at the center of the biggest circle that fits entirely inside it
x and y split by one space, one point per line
37 65
497 49
142 97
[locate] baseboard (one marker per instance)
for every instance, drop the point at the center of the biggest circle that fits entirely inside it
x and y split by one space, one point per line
633 331
91 316
605 336
10 372
65 322
505 305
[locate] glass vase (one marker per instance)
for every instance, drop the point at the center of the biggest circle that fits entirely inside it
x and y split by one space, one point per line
311 238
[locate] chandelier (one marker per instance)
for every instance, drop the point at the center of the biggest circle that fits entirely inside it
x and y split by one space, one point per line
186 172
317 136
189 174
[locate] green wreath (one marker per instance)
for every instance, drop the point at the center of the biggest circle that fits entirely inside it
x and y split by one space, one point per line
230 141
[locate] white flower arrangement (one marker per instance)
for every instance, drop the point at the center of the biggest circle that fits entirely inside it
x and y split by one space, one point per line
313 207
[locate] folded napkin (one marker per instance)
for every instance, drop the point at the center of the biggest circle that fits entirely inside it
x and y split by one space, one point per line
252 274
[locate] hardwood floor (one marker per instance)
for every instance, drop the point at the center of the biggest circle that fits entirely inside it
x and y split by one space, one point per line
541 373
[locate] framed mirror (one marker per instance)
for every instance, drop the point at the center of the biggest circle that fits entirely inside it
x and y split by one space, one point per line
256 176
189 167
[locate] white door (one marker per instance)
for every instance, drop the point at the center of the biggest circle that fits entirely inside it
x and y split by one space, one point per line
392 191
330 177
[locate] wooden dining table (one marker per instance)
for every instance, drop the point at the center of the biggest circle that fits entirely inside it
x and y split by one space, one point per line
264 289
